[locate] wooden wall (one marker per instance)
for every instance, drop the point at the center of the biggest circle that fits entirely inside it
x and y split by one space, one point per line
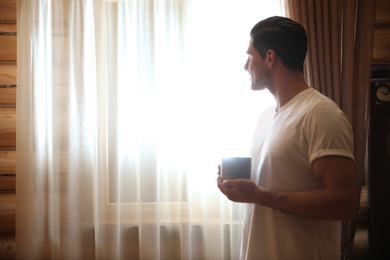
7 127
8 83
381 52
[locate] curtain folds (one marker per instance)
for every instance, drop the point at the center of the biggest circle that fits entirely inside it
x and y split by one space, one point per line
125 108
339 65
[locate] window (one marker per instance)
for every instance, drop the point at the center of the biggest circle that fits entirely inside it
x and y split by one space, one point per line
128 107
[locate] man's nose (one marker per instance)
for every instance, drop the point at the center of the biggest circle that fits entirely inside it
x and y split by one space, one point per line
246 66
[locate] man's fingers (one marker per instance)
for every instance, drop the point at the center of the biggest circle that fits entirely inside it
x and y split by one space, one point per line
231 183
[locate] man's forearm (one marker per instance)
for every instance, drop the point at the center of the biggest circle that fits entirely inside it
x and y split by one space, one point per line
319 204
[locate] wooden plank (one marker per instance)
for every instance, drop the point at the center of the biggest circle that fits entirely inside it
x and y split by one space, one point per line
7 162
7 213
7 247
8 48
381 50
7 183
7 126
382 15
8 27
7 95
8 74
8 10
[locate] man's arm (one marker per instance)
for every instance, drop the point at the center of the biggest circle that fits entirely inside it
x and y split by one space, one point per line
336 200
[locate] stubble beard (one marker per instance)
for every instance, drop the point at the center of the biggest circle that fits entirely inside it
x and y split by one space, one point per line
258 86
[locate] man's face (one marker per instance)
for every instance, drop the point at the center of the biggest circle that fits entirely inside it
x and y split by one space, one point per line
257 68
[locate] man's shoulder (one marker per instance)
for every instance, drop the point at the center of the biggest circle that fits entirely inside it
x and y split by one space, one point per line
317 102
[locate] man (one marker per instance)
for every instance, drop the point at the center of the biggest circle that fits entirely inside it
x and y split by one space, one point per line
303 180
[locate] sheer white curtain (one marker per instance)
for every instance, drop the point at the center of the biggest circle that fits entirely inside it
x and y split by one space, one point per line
125 109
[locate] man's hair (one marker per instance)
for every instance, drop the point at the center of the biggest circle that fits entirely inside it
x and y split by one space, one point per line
286 37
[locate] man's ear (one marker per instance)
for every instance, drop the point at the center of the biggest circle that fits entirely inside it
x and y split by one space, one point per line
270 58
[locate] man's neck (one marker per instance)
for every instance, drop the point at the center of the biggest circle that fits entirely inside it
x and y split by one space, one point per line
287 85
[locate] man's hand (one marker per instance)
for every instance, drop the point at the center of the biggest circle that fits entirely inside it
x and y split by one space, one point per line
238 190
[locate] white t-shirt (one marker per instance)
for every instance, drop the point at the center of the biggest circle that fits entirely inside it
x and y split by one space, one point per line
285 144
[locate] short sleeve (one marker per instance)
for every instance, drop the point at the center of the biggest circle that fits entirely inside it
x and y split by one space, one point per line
328 133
